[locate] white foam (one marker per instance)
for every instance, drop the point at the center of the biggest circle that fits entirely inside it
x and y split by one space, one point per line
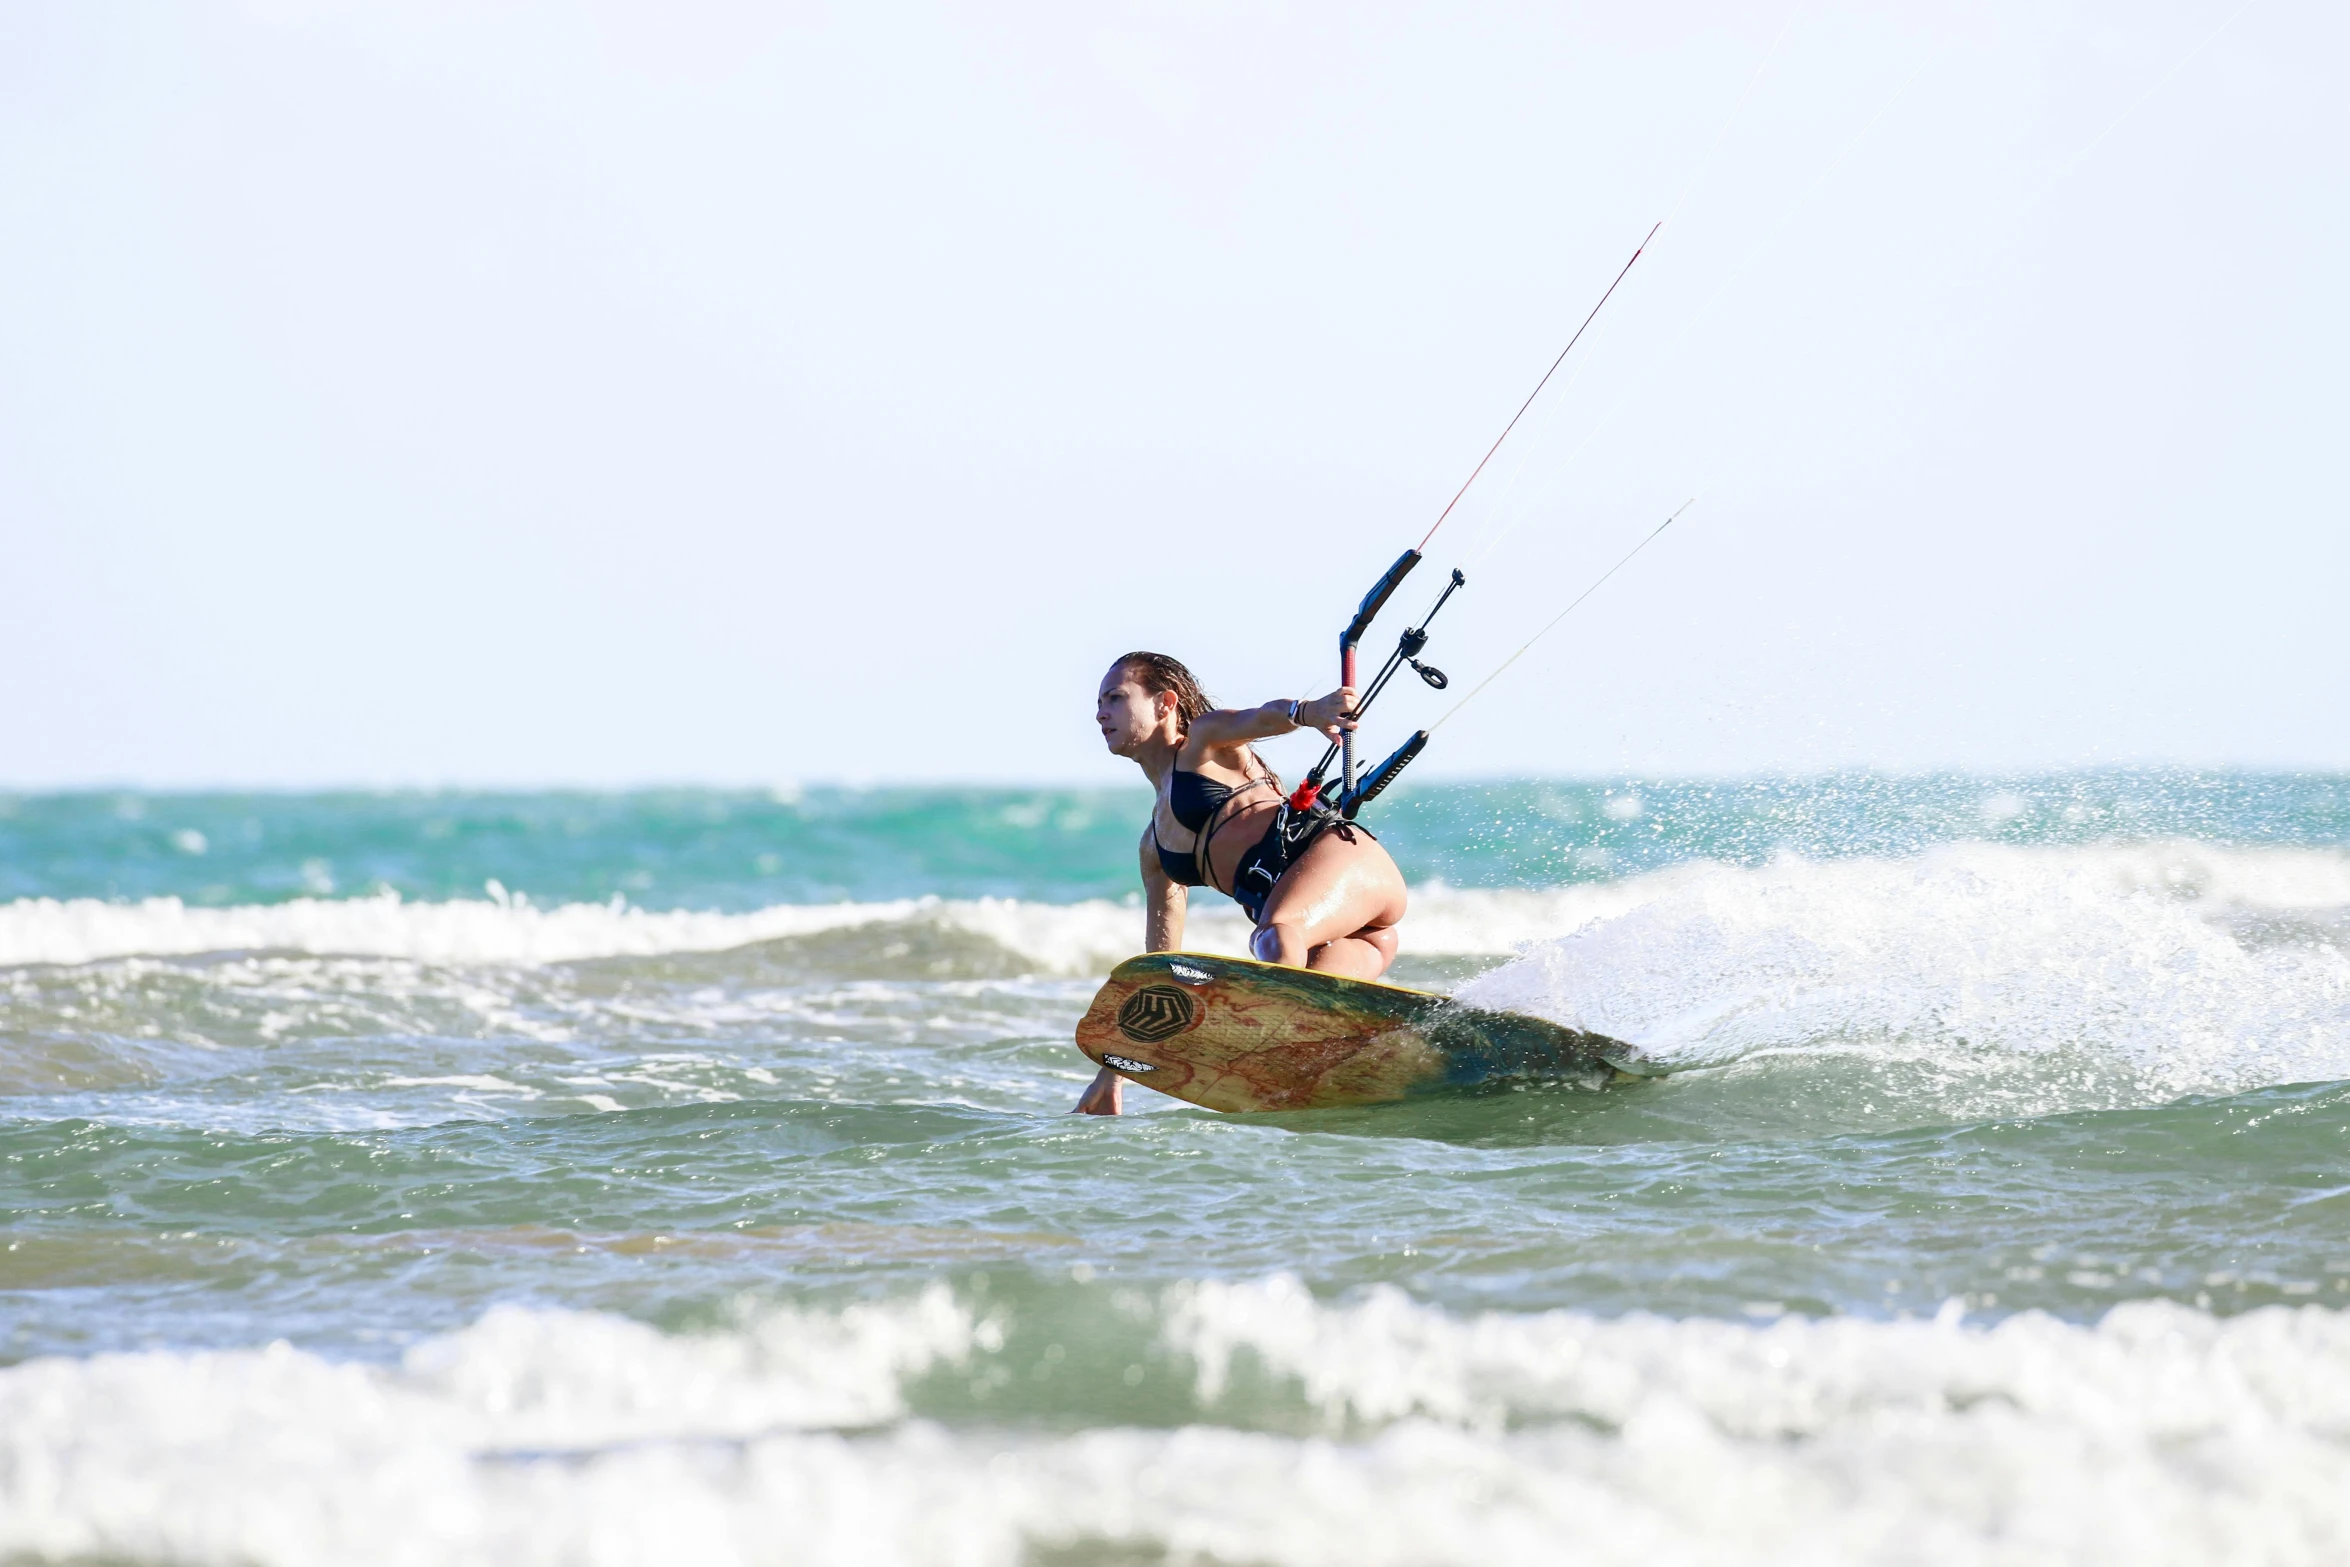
1824 900
1075 938
1072 938
531 1379
2123 957
2166 1371
2160 1435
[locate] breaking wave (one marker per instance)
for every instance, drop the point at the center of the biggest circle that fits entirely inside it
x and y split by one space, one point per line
1292 1430
1060 938
1835 901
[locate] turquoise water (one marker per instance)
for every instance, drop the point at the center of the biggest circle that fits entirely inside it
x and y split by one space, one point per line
735 850
685 1176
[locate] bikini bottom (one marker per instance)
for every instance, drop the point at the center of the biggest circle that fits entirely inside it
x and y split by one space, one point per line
1293 830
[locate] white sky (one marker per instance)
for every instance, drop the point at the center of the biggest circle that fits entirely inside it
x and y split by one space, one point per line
504 394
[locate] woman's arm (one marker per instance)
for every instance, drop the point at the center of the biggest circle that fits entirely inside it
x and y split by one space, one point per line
1101 1095
1225 727
1164 903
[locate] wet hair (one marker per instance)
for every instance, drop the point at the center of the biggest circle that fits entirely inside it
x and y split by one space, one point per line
1156 672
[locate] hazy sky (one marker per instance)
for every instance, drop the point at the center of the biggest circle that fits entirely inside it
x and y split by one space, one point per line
496 394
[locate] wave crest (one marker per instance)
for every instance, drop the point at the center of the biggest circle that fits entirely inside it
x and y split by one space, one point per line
2159 1435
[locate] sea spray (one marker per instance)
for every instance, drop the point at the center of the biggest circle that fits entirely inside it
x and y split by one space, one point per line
2129 967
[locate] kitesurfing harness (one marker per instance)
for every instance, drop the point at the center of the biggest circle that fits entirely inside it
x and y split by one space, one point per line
1203 805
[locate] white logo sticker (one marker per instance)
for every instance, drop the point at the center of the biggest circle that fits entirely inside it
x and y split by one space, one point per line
1126 1063
1189 976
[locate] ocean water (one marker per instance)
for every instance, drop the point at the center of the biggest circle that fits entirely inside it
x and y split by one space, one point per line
685 1177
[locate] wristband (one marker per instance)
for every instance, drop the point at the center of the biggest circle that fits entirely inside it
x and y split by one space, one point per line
1293 713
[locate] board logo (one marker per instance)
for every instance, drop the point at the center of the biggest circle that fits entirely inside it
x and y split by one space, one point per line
1189 976
1127 1063
1156 1012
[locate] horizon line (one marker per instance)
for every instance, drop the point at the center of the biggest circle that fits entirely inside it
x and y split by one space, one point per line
853 783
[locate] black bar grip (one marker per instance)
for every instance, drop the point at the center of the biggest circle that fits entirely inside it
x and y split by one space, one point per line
1381 776
1381 592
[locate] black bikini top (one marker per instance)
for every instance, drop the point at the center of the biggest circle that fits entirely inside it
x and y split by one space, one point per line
1195 801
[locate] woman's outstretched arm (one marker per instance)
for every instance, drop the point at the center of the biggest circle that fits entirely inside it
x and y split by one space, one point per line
1224 727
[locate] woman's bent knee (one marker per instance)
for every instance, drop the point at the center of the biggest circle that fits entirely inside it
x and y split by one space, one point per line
1282 943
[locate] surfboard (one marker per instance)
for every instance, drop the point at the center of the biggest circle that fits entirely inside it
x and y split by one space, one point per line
1233 1034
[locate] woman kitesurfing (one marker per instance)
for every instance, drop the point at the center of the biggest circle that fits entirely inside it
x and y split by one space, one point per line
1323 893
1321 890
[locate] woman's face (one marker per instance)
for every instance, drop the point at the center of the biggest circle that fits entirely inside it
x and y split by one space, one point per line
1128 715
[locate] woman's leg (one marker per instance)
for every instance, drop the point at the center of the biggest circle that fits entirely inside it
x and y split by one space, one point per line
1356 957
1364 955
1334 909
